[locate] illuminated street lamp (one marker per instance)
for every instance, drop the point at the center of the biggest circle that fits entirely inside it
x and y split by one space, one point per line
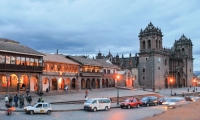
117 91
171 81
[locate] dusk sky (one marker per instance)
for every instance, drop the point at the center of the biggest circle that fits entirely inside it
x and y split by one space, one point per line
83 27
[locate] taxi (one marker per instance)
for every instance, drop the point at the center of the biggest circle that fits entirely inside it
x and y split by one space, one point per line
39 107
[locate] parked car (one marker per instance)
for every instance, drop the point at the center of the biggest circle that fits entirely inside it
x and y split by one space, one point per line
39 107
95 104
190 98
161 100
149 100
175 102
131 102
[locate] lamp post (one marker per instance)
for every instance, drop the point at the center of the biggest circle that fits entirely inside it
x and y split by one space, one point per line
171 85
117 91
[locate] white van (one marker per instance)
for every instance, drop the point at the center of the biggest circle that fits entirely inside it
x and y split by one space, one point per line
95 104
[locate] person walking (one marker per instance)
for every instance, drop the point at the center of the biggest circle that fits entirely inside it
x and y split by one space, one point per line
16 100
86 93
10 100
27 90
29 100
6 99
27 97
22 100
23 87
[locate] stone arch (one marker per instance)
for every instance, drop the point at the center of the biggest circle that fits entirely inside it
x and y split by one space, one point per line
13 81
68 83
93 84
88 83
54 85
149 44
3 83
46 83
166 83
143 45
73 84
61 84
83 83
98 83
103 83
24 79
106 82
34 83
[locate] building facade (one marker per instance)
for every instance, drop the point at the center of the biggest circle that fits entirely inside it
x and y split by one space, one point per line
19 65
162 67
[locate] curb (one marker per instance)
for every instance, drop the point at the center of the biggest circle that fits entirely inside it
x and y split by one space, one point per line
58 110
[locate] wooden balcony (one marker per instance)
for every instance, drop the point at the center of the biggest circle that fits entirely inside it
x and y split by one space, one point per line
20 68
95 74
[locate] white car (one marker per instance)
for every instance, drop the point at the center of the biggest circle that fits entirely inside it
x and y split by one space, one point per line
39 107
175 102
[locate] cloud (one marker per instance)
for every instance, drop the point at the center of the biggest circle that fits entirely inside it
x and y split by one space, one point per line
87 26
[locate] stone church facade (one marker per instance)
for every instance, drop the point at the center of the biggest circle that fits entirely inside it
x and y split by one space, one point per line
155 66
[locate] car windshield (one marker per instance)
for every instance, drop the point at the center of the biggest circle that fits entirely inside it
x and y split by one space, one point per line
127 100
174 100
34 104
145 98
89 101
161 98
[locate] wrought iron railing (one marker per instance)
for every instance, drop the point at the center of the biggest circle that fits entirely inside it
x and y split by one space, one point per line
20 68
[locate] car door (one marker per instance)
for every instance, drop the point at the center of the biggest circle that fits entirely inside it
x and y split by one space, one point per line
38 108
45 108
134 102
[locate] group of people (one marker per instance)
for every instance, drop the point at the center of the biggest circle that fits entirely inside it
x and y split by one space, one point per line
20 99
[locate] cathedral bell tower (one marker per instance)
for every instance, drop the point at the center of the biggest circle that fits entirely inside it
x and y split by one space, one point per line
150 57
150 38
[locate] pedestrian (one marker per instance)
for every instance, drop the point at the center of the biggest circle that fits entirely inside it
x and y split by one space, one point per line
27 90
190 86
27 96
29 100
174 94
188 89
23 87
196 89
90 88
86 93
66 88
22 100
10 100
39 100
6 99
16 100
183 94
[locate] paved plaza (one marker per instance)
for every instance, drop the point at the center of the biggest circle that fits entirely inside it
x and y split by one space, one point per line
63 96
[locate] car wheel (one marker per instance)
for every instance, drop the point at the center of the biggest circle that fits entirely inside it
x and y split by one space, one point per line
106 108
49 112
31 112
147 105
138 105
94 109
155 103
121 107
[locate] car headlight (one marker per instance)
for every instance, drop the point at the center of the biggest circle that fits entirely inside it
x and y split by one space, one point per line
90 105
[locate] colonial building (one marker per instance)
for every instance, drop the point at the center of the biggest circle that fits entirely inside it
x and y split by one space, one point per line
95 74
19 65
59 71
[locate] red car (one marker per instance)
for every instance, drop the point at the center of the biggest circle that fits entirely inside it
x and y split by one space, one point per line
131 102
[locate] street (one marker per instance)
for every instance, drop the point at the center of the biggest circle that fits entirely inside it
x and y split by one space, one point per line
112 114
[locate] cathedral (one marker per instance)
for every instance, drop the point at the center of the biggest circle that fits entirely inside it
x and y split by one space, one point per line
155 66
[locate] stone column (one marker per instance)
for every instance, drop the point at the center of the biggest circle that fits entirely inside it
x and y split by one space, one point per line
100 80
